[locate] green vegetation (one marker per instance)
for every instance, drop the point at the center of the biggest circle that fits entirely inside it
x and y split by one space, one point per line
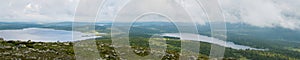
64 50
282 44
36 50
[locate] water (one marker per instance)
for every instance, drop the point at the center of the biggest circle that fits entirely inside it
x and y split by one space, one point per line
44 35
51 35
197 37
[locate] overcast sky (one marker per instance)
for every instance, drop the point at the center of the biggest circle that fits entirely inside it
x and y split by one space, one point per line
262 13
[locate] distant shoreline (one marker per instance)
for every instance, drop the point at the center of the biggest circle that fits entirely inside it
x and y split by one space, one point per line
45 35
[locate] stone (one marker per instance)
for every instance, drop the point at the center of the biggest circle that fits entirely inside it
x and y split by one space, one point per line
6 53
7 47
39 44
66 43
22 45
137 51
32 57
18 54
31 49
26 52
106 56
54 45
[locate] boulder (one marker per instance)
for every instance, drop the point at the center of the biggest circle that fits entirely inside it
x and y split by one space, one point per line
22 45
7 47
66 43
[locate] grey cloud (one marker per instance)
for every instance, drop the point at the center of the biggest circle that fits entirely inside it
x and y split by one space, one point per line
262 13
37 10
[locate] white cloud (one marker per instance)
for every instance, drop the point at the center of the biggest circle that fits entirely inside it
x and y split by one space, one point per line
37 10
262 13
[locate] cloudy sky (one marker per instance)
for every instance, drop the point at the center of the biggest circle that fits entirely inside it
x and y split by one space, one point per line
36 10
262 13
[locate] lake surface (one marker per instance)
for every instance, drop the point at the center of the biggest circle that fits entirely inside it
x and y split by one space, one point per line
51 35
44 35
197 37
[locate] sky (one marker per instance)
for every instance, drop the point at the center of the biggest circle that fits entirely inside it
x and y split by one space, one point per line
261 13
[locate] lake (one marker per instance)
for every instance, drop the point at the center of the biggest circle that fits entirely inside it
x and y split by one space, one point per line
52 35
44 35
202 38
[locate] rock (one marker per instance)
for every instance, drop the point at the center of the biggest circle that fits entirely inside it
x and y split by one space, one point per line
111 45
66 43
6 53
41 51
106 56
54 45
193 58
32 57
114 54
18 54
7 47
172 55
122 53
27 52
38 44
31 49
15 48
113 51
22 45
102 45
137 51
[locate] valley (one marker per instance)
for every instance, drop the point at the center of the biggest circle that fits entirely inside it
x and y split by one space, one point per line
280 43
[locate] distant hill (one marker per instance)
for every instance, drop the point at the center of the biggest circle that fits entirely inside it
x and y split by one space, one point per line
233 29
